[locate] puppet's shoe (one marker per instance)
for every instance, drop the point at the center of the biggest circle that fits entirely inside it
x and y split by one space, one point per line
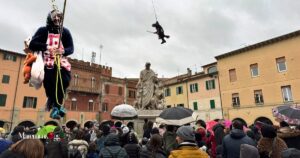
55 113
62 112
167 36
162 42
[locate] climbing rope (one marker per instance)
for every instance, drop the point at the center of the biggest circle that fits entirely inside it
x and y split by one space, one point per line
154 10
58 58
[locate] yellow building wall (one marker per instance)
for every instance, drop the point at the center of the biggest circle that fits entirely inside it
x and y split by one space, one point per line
269 79
174 98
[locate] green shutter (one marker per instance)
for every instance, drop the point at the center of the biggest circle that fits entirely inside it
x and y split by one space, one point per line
213 84
196 87
206 85
195 105
212 104
191 86
14 58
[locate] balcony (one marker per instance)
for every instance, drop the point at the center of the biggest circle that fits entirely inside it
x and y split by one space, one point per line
84 89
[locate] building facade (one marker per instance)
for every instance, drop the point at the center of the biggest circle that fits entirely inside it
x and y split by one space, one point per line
23 104
259 77
199 92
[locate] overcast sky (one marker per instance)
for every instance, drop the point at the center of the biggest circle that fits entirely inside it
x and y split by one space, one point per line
199 29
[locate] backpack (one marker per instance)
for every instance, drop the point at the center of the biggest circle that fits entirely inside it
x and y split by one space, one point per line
73 152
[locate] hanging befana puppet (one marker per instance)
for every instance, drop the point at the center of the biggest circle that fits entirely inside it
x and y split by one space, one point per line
159 29
55 43
160 32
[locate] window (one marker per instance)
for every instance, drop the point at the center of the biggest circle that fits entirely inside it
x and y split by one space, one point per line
235 100
212 69
287 93
131 94
10 57
120 91
194 87
212 104
106 89
254 70
3 99
93 82
29 102
195 104
91 105
167 92
210 84
232 75
281 65
179 90
258 97
5 79
180 105
168 106
104 107
76 80
74 104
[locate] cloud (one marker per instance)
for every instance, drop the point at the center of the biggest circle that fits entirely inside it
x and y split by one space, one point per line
199 30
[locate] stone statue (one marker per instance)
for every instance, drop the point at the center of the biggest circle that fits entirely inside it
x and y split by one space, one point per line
149 90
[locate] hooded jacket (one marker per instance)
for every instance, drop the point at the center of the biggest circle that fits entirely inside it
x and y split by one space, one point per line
232 142
81 145
112 148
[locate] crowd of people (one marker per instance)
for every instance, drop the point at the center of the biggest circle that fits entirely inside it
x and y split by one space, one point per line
117 140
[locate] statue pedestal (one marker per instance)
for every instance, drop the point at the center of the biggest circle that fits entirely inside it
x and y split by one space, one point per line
144 114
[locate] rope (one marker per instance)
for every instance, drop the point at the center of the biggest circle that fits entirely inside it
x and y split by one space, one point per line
154 10
57 61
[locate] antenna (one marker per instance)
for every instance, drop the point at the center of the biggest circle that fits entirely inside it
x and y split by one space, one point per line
101 47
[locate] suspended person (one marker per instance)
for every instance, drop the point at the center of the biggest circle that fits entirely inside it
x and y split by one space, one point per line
46 40
160 32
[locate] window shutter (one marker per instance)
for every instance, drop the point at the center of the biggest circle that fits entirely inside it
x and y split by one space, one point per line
191 86
195 105
196 87
34 102
206 85
14 58
213 84
24 102
212 104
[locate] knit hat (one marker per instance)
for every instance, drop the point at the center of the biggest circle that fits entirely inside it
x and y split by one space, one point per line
186 133
268 131
125 130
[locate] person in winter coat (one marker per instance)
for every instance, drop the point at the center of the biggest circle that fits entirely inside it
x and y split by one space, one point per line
270 145
100 141
78 146
147 132
132 147
187 147
169 139
56 149
4 144
112 148
154 148
290 136
290 153
248 151
46 40
232 142
92 152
